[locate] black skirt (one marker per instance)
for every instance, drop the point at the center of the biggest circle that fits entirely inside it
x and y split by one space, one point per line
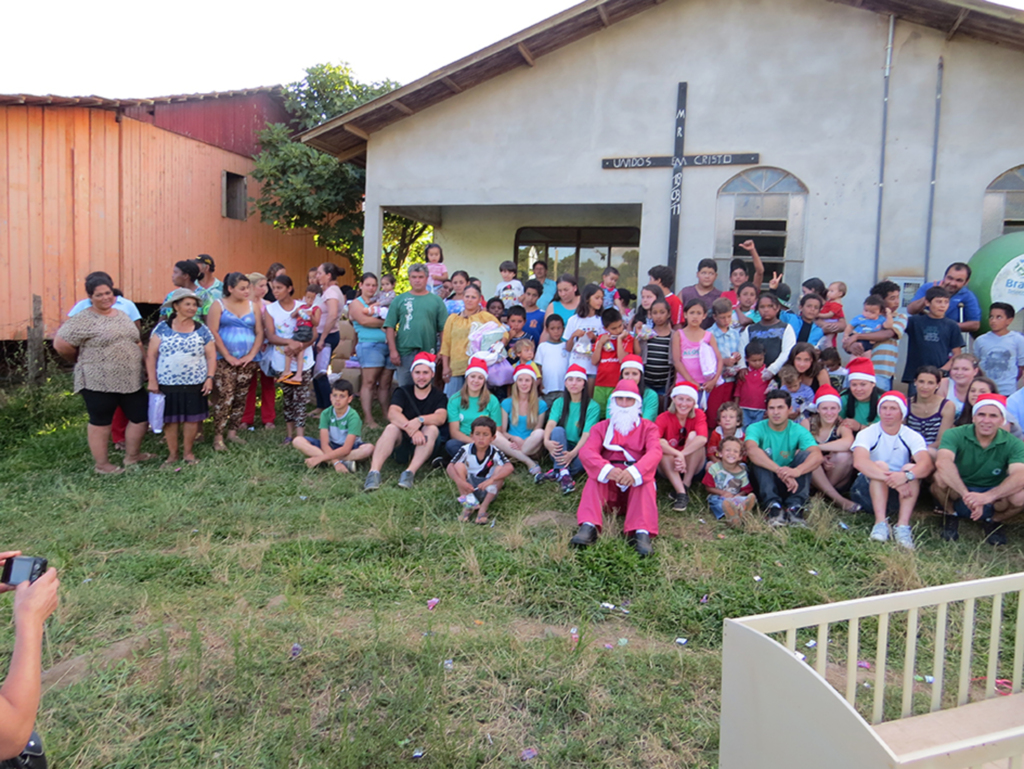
185 403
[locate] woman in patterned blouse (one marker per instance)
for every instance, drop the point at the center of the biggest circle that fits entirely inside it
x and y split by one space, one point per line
181 363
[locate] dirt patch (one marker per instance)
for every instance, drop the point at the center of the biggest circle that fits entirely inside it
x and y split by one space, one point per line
550 518
72 671
276 602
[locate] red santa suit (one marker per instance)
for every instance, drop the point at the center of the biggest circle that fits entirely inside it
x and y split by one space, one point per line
640 452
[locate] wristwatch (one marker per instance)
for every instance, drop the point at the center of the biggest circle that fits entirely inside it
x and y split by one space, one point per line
909 474
422 422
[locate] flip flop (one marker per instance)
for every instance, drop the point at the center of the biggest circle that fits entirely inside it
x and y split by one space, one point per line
481 520
115 471
191 462
169 464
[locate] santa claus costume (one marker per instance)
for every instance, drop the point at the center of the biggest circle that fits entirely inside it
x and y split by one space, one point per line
623 441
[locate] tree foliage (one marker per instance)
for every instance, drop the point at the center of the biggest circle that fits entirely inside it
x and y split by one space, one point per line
301 187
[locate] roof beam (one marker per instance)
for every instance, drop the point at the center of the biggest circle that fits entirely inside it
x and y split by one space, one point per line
956 24
604 16
356 131
525 53
397 104
346 155
451 85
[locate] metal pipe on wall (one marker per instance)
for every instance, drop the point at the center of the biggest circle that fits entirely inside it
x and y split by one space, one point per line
885 132
935 165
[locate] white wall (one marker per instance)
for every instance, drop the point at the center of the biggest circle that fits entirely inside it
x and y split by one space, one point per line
799 81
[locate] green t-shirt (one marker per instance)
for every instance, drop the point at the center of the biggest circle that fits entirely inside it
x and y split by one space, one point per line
572 431
341 427
861 410
978 467
649 411
781 445
417 320
465 416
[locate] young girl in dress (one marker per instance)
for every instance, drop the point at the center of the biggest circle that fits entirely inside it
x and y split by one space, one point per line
686 351
656 350
584 328
436 271
930 414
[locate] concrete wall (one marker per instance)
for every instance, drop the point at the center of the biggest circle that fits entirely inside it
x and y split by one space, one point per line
799 81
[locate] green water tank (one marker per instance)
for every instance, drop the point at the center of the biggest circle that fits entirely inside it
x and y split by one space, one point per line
997 275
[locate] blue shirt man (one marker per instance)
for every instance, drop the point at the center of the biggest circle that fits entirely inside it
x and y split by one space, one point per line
960 298
540 274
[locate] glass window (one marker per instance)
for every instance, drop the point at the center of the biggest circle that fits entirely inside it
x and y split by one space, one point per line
584 252
1003 209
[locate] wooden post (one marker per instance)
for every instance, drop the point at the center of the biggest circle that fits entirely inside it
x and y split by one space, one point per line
36 343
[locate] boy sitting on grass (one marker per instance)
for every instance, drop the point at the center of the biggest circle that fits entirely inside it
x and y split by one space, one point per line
479 469
730 494
340 431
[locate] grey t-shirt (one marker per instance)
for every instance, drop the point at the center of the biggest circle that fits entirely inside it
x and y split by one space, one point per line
999 357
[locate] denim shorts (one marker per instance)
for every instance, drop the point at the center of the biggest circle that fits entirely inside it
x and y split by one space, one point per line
374 355
334 446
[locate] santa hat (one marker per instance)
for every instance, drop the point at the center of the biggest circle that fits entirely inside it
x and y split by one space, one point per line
687 389
626 388
632 361
576 370
991 399
827 394
424 359
896 397
476 366
861 370
524 368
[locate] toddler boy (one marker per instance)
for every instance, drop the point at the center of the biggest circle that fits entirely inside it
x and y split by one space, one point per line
516 322
534 315
509 289
553 359
609 350
730 494
479 470
609 281
801 394
306 316
874 318
751 386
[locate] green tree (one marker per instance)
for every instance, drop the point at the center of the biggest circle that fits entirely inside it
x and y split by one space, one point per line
301 187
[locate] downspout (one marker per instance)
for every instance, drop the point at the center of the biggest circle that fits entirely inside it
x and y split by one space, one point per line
885 132
935 165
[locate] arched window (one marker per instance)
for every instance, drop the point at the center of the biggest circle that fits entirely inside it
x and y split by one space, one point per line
765 205
1003 210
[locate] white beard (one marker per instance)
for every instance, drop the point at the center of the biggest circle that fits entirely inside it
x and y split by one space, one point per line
624 420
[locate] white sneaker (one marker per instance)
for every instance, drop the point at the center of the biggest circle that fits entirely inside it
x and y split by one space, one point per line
880 532
903 537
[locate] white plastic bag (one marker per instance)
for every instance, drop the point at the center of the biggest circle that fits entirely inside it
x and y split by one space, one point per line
156 412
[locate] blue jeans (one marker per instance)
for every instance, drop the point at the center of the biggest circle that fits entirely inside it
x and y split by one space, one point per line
752 415
454 385
860 493
452 446
403 372
716 502
322 385
770 489
963 511
883 382
559 437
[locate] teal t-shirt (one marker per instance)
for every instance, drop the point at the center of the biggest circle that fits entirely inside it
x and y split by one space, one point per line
339 428
781 445
649 409
417 320
465 416
861 410
572 430
521 430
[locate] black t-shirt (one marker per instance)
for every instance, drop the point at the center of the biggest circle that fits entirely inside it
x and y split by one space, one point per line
930 342
412 407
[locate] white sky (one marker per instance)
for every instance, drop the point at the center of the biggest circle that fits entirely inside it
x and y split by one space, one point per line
117 48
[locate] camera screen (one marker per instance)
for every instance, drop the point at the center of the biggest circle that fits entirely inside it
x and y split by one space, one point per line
21 570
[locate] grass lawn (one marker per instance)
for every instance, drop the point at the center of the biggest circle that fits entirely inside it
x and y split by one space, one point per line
184 592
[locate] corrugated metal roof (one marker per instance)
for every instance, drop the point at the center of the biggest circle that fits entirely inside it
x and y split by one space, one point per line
101 102
346 136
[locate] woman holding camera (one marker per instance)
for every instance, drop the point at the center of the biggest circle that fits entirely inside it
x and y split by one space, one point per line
105 346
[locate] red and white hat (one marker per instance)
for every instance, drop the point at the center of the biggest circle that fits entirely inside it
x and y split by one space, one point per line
827 394
476 366
687 389
424 359
861 370
990 399
896 397
524 368
632 361
576 370
626 388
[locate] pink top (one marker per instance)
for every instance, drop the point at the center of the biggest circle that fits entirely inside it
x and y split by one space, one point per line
436 269
331 292
689 354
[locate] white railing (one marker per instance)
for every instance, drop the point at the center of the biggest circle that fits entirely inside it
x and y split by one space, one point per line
782 704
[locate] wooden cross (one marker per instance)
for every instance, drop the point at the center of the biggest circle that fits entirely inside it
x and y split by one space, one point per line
678 161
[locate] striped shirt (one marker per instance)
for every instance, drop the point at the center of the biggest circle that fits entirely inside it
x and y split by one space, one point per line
658 366
884 356
728 343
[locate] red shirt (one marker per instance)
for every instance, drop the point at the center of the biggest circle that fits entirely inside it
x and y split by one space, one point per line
836 308
731 296
715 439
675 309
610 363
751 391
670 430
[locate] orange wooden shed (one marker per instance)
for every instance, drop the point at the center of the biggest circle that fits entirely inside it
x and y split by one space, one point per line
85 187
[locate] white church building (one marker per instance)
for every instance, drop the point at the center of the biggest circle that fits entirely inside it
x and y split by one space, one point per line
852 140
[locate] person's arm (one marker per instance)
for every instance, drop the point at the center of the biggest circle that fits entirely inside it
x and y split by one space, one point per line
1013 483
948 418
667 449
211 366
437 419
758 276
918 304
946 472
65 350
972 313
213 323
788 340
20 693
333 311
720 364
814 459
741 366
842 443
949 363
152 353
271 334
862 463
759 456
257 343
595 356
359 315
